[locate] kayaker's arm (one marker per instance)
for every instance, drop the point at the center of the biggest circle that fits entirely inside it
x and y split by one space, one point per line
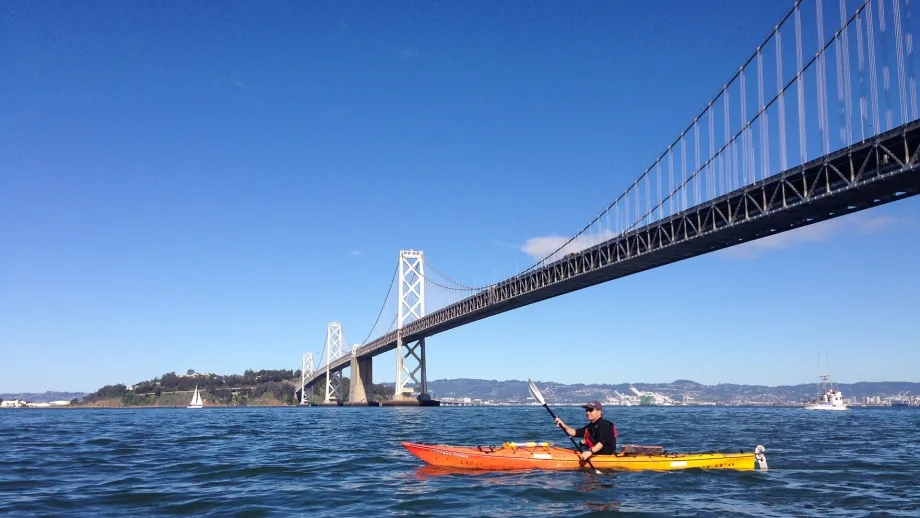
592 451
572 432
566 428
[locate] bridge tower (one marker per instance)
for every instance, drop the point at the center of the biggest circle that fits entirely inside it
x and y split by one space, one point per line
410 355
306 370
333 352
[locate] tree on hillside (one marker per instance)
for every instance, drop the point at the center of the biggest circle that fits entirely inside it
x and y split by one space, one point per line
106 392
381 392
190 372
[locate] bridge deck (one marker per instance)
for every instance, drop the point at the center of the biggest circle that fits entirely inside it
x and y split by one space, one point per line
864 175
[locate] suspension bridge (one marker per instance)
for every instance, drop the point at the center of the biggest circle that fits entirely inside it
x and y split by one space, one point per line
773 150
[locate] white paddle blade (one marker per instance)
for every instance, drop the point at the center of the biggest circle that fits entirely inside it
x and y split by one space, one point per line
535 392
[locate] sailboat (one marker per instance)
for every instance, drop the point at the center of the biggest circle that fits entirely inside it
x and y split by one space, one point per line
196 399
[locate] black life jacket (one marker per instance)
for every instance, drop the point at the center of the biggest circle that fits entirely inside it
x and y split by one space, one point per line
601 421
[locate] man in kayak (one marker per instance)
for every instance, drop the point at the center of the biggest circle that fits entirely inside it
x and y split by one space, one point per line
600 435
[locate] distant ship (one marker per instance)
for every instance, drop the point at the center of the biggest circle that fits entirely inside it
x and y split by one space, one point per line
901 400
619 400
828 397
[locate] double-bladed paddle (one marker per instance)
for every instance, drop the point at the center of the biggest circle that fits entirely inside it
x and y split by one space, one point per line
535 392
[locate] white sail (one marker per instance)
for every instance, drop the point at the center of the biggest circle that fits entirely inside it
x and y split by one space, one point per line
196 400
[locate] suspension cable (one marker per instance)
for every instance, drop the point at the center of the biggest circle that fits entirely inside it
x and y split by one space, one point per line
722 92
676 141
382 307
392 324
321 354
820 52
442 274
453 288
684 182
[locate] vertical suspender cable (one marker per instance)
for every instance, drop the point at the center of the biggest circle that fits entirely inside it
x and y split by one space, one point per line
803 151
658 166
910 63
860 59
764 122
696 166
683 175
821 82
873 79
902 79
886 70
838 62
782 100
670 182
710 183
726 171
844 79
744 131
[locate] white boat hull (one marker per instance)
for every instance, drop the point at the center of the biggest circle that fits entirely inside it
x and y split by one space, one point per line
824 407
828 398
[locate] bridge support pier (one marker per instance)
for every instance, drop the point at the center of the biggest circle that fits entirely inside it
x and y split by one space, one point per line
417 375
362 378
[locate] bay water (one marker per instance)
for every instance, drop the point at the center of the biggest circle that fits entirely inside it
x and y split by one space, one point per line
348 461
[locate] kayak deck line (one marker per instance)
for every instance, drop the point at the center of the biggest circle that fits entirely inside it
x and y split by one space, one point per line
544 455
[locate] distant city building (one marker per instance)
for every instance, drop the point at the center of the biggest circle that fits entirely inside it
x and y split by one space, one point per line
49 404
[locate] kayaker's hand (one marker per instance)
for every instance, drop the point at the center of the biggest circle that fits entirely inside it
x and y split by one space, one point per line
585 455
559 423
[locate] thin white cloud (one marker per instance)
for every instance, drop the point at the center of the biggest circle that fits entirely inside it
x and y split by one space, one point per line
870 225
817 232
541 247
356 253
240 84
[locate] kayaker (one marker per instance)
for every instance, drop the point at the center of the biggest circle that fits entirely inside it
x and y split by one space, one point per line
599 434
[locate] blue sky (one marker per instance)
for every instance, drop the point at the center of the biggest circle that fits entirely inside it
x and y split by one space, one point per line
206 185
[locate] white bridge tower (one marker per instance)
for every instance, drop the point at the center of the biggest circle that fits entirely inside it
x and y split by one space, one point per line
306 371
410 356
333 352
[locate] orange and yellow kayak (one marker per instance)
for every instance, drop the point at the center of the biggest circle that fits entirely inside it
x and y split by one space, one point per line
543 455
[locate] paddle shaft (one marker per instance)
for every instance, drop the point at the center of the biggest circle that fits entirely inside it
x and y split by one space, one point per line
570 437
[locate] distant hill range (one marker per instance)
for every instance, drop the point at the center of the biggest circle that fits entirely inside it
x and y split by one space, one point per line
42 397
515 391
559 393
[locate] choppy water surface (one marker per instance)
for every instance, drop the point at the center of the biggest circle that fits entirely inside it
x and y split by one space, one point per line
349 462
